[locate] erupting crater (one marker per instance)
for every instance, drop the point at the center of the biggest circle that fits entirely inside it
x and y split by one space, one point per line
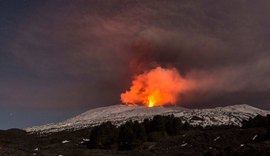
157 87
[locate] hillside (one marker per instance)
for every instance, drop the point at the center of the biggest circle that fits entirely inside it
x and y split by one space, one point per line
119 114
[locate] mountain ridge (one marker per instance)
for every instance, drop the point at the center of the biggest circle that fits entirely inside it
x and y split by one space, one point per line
119 114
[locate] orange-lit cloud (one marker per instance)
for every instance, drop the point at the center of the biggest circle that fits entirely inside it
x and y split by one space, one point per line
159 86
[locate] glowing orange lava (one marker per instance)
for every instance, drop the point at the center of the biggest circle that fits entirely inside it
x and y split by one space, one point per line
156 87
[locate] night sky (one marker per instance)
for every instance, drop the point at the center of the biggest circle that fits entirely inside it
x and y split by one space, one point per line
59 58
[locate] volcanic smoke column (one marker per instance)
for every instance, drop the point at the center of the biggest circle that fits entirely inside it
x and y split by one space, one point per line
156 87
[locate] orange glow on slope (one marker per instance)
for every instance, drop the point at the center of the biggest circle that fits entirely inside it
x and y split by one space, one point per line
156 87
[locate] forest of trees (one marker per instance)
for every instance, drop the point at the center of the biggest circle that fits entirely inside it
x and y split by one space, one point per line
132 134
258 121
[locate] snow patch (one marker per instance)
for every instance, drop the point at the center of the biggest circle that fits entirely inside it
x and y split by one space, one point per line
255 136
65 141
217 138
184 144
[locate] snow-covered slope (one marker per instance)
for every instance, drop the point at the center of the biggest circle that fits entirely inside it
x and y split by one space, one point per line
118 114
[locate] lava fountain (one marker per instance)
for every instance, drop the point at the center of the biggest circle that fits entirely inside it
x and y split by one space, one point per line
157 87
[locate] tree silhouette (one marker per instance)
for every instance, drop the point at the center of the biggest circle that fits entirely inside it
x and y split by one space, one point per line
103 136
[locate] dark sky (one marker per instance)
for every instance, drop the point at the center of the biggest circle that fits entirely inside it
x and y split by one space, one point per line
62 57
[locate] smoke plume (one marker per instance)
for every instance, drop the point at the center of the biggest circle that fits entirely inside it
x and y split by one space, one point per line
156 87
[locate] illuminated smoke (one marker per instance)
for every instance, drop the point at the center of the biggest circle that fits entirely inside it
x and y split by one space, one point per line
156 87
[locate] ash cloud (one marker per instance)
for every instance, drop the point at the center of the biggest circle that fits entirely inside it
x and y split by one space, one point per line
98 46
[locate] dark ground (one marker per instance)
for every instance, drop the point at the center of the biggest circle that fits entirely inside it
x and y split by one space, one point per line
210 141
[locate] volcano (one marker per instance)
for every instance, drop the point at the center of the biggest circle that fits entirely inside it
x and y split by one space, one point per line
119 114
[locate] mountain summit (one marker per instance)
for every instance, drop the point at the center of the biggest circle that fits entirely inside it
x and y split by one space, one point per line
119 114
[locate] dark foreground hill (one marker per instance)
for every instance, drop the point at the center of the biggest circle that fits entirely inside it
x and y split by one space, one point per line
252 139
